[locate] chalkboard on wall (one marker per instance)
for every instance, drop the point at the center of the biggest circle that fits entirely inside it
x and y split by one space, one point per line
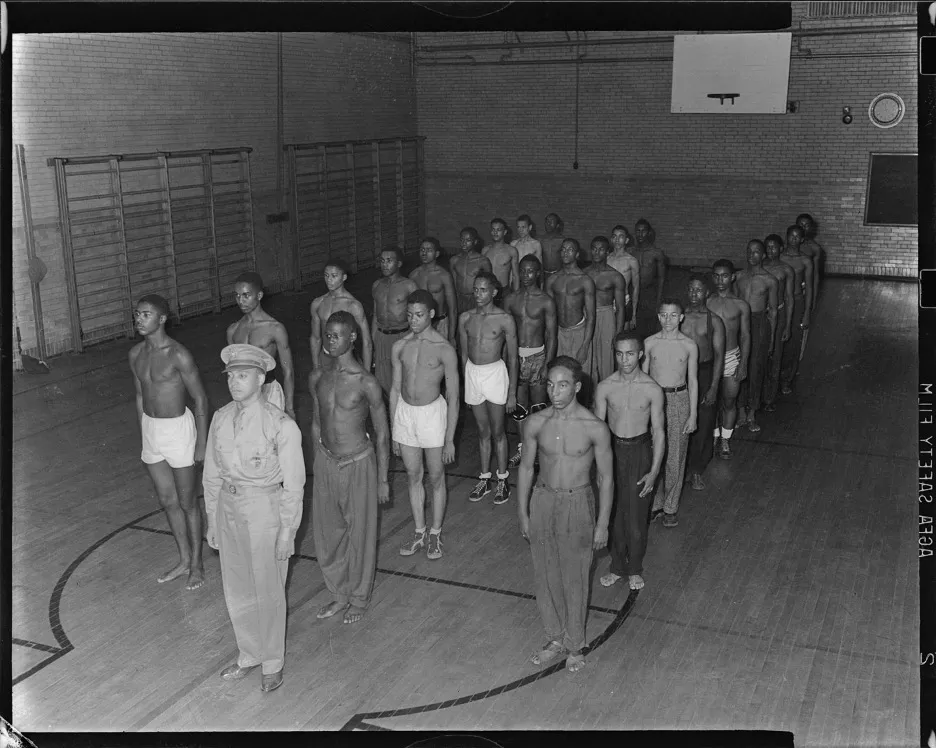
891 197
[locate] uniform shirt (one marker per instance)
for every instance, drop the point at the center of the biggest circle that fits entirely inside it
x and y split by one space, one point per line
256 446
528 246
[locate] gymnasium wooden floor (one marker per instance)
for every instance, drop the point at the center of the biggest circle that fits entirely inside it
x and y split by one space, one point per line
786 599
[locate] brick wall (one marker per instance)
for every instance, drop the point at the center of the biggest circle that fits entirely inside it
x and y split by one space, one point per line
500 140
95 94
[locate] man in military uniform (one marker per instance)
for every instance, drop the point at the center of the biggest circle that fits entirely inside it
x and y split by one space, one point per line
253 481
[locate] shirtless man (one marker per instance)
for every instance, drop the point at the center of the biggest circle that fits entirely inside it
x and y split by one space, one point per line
465 266
337 299
173 439
432 277
761 291
652 275
424 421
490 384
551 244
736 315
812 249
574 292
258 328
708 332
534 313
672 359
349 471
628 266
559 521
504 258
524 243
389 323
632 403
784 274
802 306
610 294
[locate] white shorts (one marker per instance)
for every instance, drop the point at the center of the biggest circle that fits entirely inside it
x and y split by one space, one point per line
273 392
732 361
421 426
486 382
169 439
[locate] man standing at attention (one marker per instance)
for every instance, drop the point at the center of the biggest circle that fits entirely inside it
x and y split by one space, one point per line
652 276
786 277
672 359
736 316
432 277
551 243
610 294
574 292
490 384
258 328
559 521
802 306
504 258
337 299
628 266
424 421
254 480
524 243
812 249
465 266
350 470
389 322
632 403
173 439
534 313
708 332
760 290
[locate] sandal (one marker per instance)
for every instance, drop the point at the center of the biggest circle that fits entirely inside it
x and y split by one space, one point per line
548 653
575 662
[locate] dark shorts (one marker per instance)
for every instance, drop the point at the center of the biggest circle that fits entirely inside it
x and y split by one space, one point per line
533 369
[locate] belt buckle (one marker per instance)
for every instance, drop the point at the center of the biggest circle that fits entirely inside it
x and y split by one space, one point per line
232 489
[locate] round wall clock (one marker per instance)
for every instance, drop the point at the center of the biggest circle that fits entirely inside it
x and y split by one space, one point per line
886 110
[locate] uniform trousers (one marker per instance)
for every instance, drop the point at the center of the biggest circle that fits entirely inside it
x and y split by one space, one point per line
633 458
677 444
254 582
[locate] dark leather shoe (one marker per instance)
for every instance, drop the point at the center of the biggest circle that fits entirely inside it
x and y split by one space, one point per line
236 672
272 681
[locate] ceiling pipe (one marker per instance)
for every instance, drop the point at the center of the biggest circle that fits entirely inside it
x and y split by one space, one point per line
453 62
653 39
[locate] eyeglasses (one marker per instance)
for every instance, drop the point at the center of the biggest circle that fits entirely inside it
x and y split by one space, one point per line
521 413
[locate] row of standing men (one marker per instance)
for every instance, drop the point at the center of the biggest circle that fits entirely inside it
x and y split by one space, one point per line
254 472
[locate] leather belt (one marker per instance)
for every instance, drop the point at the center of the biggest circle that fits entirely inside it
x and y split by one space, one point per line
675 389
392 332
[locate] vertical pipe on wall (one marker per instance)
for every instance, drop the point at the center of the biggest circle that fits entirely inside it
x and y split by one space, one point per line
280 192
122 257
173 280
349 151
213 246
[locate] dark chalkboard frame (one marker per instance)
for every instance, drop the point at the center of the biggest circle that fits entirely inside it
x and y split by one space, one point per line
911 199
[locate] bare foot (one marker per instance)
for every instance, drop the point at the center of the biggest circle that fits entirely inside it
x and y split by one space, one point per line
353 614
786 389
196 579
575 662
752 425
695 480
548 653
636 581
608 579
327 611
175 573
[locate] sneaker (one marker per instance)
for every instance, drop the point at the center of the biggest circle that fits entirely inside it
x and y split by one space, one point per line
669 520
482 488
724 449
503 491
434 549
410 547
515 460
